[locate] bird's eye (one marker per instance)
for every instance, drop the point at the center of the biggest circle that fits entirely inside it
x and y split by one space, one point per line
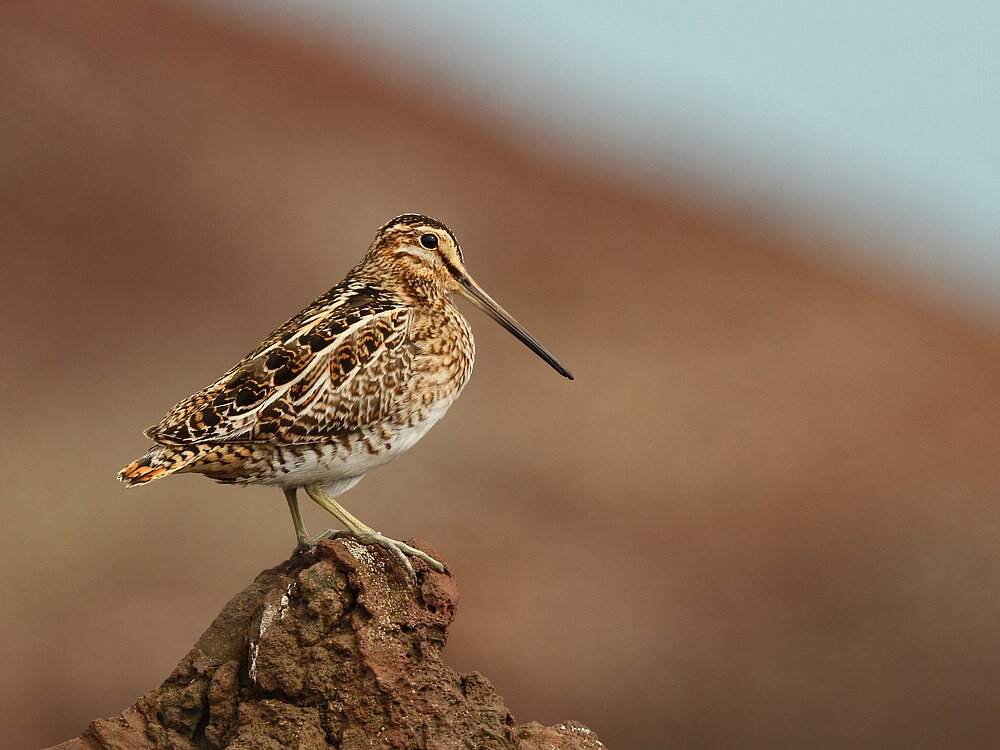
430 241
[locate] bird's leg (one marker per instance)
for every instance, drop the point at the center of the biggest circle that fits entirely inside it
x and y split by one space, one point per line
293 506
305 542
365 534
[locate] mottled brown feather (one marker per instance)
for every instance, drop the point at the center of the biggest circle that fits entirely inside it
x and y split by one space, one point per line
346 385
330 369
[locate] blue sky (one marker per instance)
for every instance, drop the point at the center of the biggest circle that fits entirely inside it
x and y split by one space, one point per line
883 117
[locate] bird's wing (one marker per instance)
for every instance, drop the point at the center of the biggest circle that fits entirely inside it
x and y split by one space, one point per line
327 372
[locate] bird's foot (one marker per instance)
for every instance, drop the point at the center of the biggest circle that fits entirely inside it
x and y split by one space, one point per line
400 550
308 543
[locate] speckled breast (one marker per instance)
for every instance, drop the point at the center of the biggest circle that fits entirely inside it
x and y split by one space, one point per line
443 355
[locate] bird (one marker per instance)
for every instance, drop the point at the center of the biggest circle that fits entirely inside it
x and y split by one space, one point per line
348 384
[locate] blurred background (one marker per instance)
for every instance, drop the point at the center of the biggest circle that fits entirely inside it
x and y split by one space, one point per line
764 238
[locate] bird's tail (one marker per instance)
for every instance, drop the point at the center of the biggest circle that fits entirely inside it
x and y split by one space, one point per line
160 461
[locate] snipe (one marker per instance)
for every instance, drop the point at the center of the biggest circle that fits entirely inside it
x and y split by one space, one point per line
348 384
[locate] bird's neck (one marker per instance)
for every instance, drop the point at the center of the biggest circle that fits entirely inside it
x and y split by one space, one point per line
412 289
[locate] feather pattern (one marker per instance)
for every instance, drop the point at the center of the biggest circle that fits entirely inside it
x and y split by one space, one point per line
334 368
345 385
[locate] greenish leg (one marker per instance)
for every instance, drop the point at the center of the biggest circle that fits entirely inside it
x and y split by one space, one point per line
305 542
363 534
300 528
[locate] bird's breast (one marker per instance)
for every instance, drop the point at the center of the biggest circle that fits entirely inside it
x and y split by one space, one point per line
410 401
445 352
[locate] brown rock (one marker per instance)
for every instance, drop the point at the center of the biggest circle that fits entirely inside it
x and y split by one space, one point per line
336 648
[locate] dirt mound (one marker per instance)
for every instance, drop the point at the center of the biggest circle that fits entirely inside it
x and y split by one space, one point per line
336 648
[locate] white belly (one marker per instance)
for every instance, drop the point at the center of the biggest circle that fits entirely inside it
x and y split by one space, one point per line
338 469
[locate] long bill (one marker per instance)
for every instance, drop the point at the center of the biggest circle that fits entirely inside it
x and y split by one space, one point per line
475 294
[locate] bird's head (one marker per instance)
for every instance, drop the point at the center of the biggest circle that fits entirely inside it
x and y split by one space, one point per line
424 253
